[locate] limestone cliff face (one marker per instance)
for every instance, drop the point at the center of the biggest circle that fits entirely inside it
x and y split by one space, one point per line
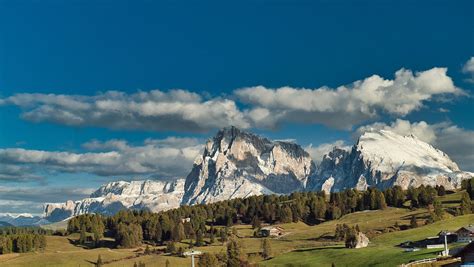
239 164
383 159
110 198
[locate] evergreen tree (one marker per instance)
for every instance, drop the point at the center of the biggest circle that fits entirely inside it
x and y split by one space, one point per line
208 260
234 253
82 235
199 239
99 262
465 204
171 247
256 223
438 209
178 232
380 203
286 215
413 222
266 249
223 235
212 238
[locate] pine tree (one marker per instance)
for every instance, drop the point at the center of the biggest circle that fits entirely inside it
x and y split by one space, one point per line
199 239
413 222
178 232
266 249
286 215
223 235
99 262
82 236
208 260
212 238
256 223
171 247
233 253
438 209
465 204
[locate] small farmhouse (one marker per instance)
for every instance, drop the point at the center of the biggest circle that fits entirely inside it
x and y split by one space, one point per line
465 234
271 231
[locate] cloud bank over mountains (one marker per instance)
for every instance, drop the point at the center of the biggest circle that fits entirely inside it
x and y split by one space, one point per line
164 158
251 107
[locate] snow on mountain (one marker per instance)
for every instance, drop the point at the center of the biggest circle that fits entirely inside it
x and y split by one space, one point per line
21 219
240 164
112 197
383 159
237 164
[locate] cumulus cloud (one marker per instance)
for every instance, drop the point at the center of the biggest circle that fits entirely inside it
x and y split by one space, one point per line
457 142
345 106
175 110
167 158
317 152
180 110
31 199
468 68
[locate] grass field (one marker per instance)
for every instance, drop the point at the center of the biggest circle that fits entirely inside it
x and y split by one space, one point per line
301 245
381 252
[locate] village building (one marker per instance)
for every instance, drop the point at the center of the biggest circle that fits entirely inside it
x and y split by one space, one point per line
465 234
450 237
269 231
186 220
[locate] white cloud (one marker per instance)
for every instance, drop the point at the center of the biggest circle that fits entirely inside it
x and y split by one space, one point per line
180 110
457 142
31 199
175 110
167 158
319 151
345 106
469 69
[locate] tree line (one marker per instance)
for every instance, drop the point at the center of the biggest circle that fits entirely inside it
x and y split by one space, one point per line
130 227
22 239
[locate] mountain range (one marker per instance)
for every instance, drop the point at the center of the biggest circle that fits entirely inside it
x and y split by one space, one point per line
236 164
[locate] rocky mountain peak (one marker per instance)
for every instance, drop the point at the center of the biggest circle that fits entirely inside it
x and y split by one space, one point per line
238 163
383 158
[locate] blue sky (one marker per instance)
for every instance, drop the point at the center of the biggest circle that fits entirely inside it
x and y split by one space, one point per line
59 58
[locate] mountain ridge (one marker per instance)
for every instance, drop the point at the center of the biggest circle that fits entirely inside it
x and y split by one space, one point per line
237 164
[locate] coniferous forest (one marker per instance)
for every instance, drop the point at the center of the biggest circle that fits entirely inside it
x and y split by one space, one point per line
131 228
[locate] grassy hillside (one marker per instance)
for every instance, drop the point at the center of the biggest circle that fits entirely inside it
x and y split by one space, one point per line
381 252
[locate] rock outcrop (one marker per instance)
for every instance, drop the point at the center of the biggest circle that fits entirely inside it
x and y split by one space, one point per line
110 198
239 164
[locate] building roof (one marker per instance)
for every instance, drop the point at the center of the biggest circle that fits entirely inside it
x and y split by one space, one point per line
469 228
268 228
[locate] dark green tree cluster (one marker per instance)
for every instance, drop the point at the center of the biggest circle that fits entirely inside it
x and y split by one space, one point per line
348 234
466 206
468 185
22 243
422 196
128 235
87 223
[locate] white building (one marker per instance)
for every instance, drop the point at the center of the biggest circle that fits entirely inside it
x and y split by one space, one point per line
466 234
